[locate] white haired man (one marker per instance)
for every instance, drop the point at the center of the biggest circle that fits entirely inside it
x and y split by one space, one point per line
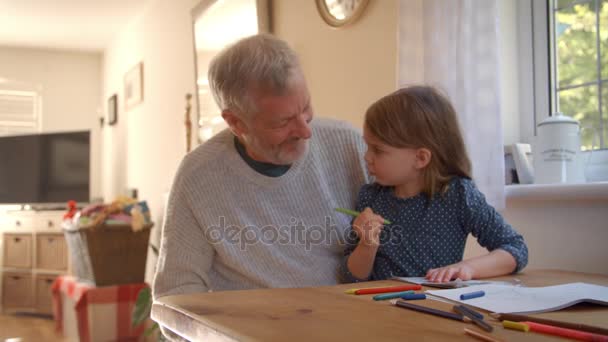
253 207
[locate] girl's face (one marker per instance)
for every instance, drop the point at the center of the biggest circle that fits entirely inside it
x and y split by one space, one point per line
390 165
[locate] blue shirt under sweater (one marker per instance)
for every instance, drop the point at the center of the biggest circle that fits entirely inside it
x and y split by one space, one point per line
426 234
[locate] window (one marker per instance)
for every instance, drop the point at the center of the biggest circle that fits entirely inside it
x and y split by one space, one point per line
19 111
579 66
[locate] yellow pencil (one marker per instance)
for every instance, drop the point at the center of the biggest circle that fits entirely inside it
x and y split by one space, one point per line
515 325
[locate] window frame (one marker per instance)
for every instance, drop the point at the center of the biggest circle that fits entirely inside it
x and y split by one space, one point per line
599 81
534 66
535 97
538 68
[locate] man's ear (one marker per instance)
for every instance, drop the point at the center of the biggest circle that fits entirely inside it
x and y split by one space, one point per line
236 124
423 157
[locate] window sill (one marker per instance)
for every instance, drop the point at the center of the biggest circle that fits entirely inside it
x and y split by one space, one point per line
570 192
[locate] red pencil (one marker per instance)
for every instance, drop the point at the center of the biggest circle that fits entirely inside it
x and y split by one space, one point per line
563 332
388 289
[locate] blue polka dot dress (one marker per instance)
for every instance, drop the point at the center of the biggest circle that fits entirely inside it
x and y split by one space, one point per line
429 233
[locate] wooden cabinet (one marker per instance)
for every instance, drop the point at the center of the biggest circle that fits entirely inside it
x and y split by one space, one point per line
17 290
44 297
34 253
18 250
51 252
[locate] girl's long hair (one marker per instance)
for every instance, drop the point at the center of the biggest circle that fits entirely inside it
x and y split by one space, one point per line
421 117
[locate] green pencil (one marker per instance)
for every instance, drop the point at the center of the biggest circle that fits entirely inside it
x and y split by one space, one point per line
355 213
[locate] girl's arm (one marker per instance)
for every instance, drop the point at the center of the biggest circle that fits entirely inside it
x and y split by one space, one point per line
508 251
361 261
368 227
495 263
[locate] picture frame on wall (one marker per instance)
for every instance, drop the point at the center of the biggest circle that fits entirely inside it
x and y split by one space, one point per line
134 86
522 156
113 110
510 170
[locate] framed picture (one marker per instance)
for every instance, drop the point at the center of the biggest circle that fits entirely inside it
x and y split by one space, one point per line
134 86
113 110
510 170
522 156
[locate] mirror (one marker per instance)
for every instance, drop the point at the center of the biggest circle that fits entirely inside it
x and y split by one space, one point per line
218 23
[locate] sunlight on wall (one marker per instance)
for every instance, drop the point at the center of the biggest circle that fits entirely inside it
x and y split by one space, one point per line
220 25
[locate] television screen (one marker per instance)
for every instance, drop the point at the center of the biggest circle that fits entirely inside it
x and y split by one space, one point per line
45 168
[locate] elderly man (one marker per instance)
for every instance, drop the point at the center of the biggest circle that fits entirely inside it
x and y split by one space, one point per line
254 206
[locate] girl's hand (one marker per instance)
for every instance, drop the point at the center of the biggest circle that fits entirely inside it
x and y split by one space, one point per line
368 227
459 270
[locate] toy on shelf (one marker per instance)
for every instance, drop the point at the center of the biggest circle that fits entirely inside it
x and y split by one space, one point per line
72 210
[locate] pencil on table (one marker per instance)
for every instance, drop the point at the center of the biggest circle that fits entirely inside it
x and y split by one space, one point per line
564 332
387 289
562 324
431 311
480 336
474 316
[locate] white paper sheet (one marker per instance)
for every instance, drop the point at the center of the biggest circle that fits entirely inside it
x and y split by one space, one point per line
528 300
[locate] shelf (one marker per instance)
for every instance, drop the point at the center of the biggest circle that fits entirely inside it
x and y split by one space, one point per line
568 192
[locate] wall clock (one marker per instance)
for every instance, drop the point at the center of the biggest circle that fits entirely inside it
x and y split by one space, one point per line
338 13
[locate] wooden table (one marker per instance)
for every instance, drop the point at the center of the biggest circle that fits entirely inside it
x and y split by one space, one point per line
328 314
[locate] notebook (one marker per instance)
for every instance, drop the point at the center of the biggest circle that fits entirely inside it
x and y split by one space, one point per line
528 300
450 284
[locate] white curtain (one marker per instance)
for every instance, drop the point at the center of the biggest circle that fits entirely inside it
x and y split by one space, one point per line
453 45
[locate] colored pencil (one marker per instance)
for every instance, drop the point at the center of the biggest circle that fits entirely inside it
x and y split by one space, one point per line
480 336
562 324
387 289
563 332
471 311
515 326
471 295
354 213
352 291
413 296
431 311
391 295
475 318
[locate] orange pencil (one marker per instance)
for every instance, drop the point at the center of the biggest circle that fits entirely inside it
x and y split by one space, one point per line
388 289
480 336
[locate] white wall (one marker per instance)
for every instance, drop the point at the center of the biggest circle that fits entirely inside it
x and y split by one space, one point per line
564 234
347 68
149 140
70 84
144 149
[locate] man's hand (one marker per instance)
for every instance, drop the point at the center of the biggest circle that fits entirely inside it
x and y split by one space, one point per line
368 227
460 270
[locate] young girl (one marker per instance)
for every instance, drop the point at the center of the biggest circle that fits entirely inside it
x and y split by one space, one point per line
424 189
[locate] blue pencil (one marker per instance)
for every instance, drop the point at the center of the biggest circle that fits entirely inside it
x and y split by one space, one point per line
392 295
413 296
471 295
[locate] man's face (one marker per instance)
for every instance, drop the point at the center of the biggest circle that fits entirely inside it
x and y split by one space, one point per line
279 131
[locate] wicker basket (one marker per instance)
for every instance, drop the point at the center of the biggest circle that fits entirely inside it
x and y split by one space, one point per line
109 254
